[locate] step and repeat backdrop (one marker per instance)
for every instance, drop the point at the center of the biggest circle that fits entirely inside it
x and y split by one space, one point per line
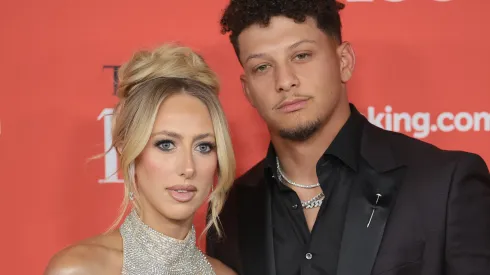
422 69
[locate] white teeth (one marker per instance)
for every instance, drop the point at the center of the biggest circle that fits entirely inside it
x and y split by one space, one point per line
181 191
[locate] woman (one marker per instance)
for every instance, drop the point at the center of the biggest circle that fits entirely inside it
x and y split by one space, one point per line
175 151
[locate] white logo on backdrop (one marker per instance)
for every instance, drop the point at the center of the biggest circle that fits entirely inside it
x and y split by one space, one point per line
421 124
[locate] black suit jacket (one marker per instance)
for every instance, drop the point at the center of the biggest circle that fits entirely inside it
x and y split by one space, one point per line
433 218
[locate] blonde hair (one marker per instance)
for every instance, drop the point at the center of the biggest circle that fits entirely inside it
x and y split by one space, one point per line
145 81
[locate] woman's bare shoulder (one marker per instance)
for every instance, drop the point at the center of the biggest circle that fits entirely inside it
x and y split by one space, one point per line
220 268
98 255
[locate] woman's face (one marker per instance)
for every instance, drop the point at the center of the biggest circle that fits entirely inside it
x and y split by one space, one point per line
177 168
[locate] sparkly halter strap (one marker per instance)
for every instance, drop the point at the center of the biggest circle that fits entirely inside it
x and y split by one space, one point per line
147 251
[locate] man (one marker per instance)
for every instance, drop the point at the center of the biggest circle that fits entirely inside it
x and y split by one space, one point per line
335 194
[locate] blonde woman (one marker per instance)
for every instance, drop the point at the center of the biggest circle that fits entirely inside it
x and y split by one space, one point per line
175 152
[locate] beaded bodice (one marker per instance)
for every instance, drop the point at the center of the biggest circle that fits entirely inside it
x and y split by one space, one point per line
148 252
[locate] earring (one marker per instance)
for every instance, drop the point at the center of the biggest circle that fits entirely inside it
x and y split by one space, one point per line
131 196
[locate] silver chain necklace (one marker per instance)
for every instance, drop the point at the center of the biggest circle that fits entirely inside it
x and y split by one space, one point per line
281 175
314 202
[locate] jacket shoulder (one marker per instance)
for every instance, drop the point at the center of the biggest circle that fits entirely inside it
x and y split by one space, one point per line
251 176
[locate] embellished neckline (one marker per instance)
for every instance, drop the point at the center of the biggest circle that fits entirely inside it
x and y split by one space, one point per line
156 243
191 235
147 251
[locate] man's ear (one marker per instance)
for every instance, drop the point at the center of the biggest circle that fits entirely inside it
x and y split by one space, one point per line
347 60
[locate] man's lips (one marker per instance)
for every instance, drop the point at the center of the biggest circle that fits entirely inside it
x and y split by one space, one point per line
292 105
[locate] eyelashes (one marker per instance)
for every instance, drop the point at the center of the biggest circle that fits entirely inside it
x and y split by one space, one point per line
169 145
165 145
206 147
300 57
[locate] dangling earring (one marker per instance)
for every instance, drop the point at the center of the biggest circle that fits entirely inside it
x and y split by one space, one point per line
132 175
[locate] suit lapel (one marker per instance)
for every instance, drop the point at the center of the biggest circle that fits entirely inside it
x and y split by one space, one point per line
269 249
381 174
255 227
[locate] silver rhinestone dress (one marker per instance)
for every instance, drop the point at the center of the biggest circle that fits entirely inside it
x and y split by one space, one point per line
148 252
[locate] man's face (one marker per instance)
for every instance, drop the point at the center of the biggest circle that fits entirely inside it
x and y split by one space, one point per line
294 74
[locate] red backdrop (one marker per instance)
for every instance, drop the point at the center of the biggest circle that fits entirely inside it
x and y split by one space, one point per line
422 69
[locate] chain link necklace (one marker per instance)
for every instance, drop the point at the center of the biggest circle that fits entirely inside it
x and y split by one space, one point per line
314 202
281 175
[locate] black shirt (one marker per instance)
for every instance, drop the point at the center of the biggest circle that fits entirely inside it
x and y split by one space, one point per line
296 250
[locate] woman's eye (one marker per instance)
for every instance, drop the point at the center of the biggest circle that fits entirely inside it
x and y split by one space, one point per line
205 148
165 145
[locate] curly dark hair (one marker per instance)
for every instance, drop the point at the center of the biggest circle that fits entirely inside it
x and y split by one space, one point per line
241 14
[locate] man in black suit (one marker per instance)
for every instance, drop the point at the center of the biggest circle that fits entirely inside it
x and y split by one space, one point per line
336 194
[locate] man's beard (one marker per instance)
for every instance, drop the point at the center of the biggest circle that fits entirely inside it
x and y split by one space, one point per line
301 132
